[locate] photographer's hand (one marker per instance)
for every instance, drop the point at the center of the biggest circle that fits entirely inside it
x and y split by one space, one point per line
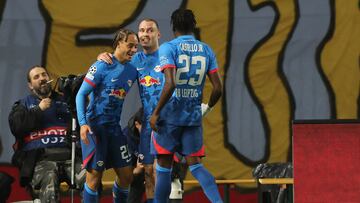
45 104
84 130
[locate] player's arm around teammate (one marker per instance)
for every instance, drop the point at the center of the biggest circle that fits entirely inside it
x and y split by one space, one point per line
150 81
103 144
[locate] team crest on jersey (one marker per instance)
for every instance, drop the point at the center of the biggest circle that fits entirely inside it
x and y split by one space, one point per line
100 163
129 82
157 68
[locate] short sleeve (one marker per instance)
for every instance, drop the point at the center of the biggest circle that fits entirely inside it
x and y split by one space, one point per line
95 73
166 56
213 65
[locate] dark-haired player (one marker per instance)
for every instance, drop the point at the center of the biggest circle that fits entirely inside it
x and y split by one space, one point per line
177 118
103 143
150 81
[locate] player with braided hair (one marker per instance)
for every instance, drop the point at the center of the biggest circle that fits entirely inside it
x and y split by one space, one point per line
102 141
177 118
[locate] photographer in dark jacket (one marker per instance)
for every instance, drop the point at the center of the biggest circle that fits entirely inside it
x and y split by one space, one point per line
42 152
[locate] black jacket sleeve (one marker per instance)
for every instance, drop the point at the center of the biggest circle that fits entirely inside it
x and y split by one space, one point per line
23 120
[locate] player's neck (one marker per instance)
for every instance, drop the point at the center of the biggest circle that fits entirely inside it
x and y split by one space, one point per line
178 34
150 50
119 57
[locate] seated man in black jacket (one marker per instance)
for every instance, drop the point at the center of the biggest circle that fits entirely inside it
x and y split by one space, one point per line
42 152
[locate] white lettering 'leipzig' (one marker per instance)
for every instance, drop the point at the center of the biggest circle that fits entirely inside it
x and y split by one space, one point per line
186 93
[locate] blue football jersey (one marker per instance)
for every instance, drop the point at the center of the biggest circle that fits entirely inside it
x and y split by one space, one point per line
108 85
150 80
192 59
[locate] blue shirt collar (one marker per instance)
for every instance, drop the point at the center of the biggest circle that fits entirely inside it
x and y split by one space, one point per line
185 37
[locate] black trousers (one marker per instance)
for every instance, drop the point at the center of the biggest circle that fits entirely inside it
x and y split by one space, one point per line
137 189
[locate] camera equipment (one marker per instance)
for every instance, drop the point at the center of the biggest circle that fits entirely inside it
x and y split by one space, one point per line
69 86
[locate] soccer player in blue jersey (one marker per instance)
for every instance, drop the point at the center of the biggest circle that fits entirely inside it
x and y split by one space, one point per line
150 80
102 141
177 117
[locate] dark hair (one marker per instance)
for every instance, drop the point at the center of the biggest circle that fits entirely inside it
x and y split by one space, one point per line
150 20
183 21
30 69
139 115
122 36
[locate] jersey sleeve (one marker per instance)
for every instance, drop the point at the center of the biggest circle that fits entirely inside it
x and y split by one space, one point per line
81 96
95 73
213 65
91 80
166 56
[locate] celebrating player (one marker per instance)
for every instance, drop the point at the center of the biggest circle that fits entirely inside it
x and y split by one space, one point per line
150 80
177 117
102 141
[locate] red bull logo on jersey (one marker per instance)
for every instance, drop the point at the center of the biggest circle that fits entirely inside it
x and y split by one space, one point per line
149 81
119 93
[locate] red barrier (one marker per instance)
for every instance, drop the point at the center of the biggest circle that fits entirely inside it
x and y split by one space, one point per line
18 193
326 162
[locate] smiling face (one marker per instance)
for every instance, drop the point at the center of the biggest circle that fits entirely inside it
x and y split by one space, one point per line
127 48
149 35
38 82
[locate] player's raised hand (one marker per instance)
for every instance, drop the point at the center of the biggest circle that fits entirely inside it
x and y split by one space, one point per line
153 121
106 57
45 104
84 130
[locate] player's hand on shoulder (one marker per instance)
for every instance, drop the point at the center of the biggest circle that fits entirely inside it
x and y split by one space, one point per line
45 104
205 109
106 57
84 130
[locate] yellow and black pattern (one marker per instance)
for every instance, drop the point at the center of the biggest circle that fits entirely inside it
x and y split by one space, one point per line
280 60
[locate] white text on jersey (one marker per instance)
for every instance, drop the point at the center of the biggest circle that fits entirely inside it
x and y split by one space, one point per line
191 47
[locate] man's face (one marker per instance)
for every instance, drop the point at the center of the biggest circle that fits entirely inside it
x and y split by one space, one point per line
148 34
129 48
38 81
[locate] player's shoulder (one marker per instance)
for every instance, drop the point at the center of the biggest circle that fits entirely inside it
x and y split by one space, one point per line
207 49
167 45
98 66
206 46
130 67
137 58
